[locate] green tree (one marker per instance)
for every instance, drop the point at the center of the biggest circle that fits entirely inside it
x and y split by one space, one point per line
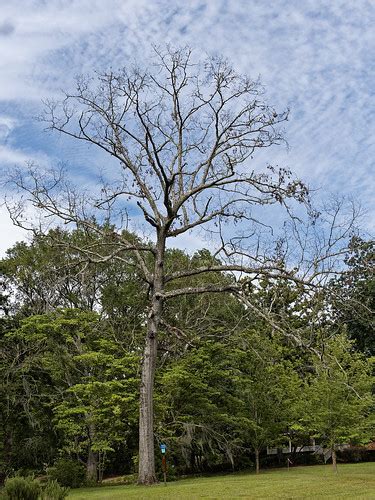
270 390
337 399
226 397
353 295
50 272
75 373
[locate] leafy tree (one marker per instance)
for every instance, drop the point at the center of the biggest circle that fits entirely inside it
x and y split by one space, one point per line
224 398
27 440
45 277
337 399
190 318
75 374
196 405
231 382
353 295
270 390
99 411
49 272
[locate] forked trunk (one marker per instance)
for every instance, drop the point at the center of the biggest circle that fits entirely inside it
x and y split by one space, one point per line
257 461
146 471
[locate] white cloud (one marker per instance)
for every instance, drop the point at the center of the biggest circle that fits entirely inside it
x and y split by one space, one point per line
313 55
9 233
9 156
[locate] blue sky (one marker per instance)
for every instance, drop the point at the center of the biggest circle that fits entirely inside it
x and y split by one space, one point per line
314 56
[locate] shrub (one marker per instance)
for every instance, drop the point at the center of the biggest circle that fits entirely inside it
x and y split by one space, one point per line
67 473
21 488
25 472
356 454
53 491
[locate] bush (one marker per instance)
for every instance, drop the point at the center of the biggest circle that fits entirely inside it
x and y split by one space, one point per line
21 488
53 491
356 454
67 473
25 472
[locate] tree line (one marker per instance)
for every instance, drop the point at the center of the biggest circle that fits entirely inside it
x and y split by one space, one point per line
228 383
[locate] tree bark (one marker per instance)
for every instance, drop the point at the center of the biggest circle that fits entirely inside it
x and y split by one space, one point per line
257 468
334 460
92 459
146 471
92 467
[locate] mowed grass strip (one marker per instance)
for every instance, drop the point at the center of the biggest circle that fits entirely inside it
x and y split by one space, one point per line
352 481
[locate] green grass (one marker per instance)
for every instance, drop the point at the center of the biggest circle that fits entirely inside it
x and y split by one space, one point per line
352 481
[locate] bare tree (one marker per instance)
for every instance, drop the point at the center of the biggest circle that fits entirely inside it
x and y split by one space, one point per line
183 134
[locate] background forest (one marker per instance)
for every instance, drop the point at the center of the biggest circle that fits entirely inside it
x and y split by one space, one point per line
229 383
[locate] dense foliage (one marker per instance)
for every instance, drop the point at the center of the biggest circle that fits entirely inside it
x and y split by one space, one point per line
230 384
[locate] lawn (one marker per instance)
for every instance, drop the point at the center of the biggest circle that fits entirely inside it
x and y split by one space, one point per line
352 481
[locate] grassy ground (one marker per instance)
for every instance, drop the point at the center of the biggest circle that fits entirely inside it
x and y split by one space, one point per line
352 481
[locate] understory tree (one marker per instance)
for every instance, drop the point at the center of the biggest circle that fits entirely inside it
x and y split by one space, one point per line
337 403
69 382
181 138
226 400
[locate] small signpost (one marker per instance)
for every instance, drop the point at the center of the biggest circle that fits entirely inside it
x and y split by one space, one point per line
163 449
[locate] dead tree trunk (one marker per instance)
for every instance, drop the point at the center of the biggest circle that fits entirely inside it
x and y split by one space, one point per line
146 472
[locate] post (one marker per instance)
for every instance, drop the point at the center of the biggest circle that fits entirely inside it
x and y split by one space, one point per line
163 449
164 464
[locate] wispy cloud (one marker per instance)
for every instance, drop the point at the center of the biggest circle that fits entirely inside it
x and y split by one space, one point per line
6 28
9 233
314 56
